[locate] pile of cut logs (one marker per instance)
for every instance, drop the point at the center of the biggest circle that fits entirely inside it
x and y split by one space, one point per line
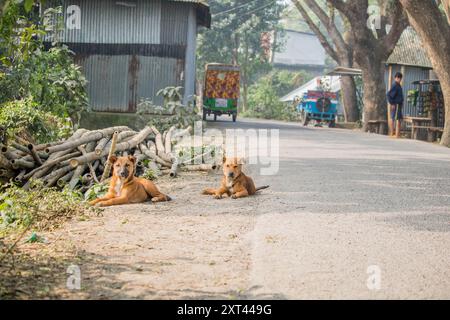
83 159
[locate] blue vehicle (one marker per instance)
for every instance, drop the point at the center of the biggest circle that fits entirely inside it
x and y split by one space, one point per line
318 105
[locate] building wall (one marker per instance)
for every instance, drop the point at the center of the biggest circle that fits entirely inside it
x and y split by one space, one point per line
300 49
130 53
410 74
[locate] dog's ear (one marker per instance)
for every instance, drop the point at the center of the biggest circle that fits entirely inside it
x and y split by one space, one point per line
113 159
132 159
241 161
224 159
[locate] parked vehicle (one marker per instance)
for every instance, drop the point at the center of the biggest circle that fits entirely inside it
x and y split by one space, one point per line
318 105
221 91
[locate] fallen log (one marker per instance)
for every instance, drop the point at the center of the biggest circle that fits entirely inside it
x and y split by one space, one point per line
89 137
199 167
62 182
168 140
34 154
52 178
77 173
21 164
154 156
4 162
20 176
133 142
51 163
158 141
101 145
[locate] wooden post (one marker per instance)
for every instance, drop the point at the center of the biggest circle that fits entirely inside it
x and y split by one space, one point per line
108 164
390 129
398 124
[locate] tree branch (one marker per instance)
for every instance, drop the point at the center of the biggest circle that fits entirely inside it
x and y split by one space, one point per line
328 48
332 30
399 23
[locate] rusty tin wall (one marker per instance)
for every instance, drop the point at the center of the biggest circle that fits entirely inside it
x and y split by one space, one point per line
129 53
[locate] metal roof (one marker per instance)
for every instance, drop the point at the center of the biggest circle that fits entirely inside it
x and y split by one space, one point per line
203 11
335 86
410 51
300 49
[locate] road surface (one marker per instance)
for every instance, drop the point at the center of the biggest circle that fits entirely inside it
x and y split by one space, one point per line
349 215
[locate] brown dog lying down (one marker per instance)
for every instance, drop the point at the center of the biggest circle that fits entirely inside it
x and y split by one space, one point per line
126 188
234 182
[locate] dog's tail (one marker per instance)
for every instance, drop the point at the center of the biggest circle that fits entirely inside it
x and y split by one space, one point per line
168 198
261 188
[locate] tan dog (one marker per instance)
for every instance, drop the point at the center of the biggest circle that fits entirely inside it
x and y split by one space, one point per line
234 182
126 188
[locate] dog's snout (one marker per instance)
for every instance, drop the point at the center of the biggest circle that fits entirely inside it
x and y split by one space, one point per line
231 174
123 173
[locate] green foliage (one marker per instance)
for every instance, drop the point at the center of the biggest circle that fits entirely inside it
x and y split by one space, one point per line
171 95
48 80
96 191
235 36
264 95
20 117
149 174
172 113
39 208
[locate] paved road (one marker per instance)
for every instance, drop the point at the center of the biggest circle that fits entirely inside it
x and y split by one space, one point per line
345 207
348 201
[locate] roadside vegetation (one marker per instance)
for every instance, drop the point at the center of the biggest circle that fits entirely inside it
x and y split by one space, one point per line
42 95
264 95
43 91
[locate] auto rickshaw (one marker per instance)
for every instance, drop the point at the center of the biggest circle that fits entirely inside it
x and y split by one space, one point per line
221 90
320 106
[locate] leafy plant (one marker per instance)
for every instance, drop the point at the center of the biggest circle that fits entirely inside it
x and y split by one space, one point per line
22 117
39 208
149 174
171 113
96 191
47 79
264 95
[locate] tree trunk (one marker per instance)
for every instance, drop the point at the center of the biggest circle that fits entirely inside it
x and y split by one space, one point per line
446 135
374 93
348 91
434 30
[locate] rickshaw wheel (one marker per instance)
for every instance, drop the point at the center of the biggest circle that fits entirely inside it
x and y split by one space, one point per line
234 117
332 124
215 117
204 115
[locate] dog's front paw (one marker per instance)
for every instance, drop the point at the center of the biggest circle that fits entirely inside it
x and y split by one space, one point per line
218 196
234 196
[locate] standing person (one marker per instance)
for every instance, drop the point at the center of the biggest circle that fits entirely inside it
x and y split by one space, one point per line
395 99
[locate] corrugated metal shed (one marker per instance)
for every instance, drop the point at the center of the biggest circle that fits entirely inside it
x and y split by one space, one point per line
410 51
131 49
